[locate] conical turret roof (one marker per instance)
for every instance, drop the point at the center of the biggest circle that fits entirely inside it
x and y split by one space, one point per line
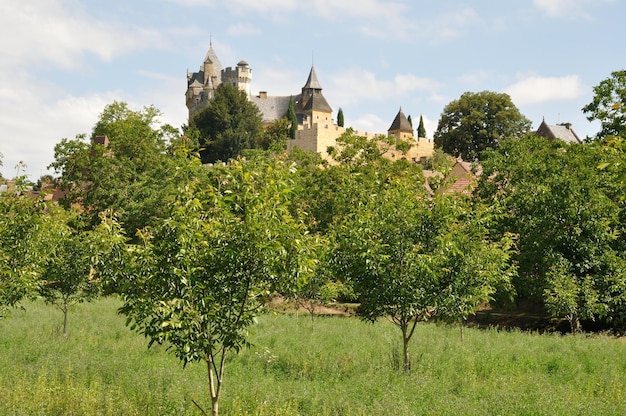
312 82
401 123
212 57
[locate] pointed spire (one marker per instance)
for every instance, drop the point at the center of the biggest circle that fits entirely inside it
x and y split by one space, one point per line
312 82
401 123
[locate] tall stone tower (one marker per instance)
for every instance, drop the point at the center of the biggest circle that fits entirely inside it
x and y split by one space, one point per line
240 76
313 107
201 85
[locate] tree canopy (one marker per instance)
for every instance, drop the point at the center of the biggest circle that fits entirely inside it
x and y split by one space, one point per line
478 121
567 214
609 105
203 273
229 124
135 174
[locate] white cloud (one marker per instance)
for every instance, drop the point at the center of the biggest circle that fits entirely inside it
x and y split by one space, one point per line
351 86
34 119
568 9
536 89
56 32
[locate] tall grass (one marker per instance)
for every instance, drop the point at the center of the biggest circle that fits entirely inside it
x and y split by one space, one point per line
334 366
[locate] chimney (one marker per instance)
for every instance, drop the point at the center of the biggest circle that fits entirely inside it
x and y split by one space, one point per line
263 95
103 140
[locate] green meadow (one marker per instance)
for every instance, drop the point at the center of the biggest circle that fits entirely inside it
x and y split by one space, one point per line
332 366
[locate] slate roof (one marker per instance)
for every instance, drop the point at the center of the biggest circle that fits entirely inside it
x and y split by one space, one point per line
273 108
212 56
317 102
312 82
401 123
561 131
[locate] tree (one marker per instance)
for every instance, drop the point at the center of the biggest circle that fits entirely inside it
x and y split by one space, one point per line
410 120
68 275
274 137
478 121
609 105
291 116
135 174
402 252
567 215
340 117
228 125
20 232
421 130
202 274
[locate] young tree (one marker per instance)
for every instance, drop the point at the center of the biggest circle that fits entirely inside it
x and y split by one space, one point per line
478 121
609 105
20 232
410 120
421 130
202 274
340 120
68 275
291 116
406 254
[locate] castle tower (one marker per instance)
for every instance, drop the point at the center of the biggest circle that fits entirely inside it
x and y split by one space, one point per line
401 128
201 85
313 107
240 76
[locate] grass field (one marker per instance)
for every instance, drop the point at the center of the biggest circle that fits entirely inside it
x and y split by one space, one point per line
335 366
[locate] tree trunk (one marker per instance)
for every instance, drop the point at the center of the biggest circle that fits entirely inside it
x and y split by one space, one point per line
214 390
65 310
405 345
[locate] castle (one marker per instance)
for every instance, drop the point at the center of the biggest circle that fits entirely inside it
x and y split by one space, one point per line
316 127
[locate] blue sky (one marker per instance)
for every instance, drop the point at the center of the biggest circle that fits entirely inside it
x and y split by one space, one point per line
62 61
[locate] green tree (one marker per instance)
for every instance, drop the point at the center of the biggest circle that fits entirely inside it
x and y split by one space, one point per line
135 174
411 258
340 120
567 215
202 274
20 232
228 125
410 120
478 121
274 137
421 130
609 105
67 275
291 116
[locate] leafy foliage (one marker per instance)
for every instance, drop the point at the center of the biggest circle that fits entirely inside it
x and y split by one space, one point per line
228 125
567 214
478 121
609 105
202 274
134 176
20 232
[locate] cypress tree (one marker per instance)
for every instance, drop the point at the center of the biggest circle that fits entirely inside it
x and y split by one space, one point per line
409 120
291 115
340 117
421 131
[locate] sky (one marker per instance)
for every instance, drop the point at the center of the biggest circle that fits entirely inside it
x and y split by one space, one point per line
63 61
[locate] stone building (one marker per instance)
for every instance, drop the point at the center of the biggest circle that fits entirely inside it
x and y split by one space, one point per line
316 128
